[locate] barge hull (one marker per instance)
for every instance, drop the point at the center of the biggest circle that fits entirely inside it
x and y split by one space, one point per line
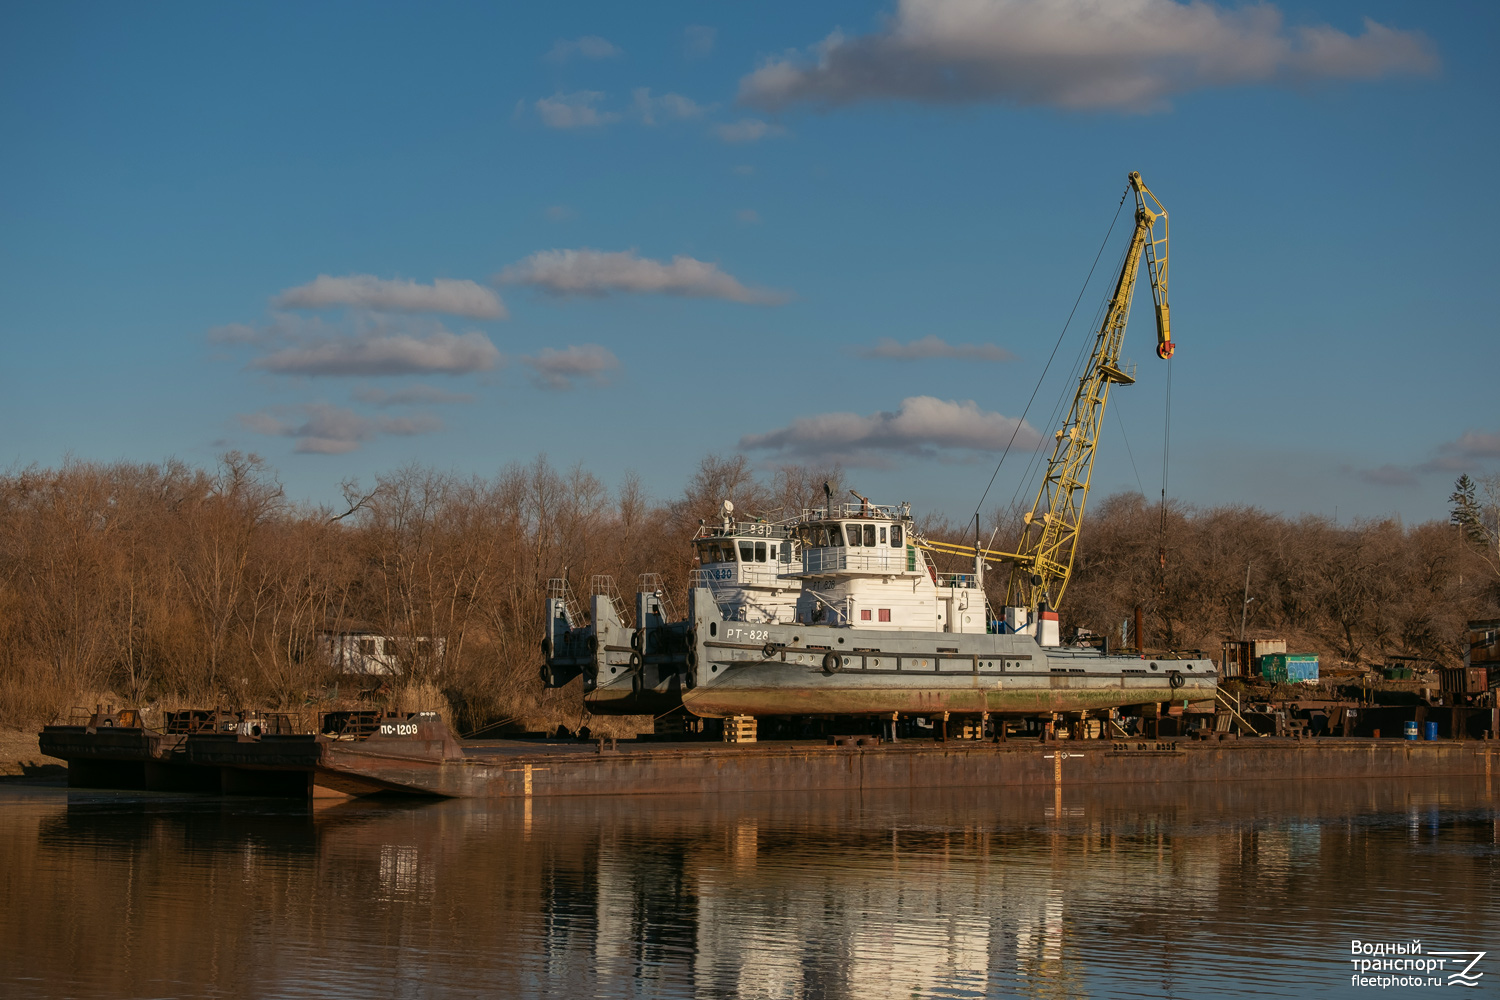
716 770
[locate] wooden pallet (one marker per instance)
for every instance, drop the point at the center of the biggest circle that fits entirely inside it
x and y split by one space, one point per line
739 729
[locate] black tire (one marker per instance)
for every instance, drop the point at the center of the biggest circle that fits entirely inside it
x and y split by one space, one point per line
635 663
593 644
547 647
546 674
636 683
769 649
1175 679
638 640
691 656
832 663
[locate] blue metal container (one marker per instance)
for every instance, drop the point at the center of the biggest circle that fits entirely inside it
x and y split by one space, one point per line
1412 731
1432 730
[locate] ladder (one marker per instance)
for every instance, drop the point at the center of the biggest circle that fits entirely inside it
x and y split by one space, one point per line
603 585
1232 707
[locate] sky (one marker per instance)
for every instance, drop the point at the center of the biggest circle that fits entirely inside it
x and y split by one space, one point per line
351 237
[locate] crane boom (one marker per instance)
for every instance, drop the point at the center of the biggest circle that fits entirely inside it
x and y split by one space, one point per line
1049 542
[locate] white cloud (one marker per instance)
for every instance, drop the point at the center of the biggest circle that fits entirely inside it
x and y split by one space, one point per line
698 41
555 369
1475 444
595 273
444 295
1125 55
385 353
1471 449
561 213
748 216
587 47
412 395
922 425
747 130
667 106
576 110
933 347
321 429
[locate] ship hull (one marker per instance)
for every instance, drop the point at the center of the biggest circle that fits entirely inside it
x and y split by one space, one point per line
742 669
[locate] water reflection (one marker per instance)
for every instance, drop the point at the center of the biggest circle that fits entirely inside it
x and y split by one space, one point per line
1247 889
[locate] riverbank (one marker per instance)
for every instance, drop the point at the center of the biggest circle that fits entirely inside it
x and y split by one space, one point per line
21 759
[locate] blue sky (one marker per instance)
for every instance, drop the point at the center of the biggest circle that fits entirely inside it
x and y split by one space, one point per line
353 236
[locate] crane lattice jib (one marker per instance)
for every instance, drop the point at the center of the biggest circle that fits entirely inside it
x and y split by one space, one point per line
1049 540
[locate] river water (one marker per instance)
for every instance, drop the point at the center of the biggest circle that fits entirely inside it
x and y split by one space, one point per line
1232 889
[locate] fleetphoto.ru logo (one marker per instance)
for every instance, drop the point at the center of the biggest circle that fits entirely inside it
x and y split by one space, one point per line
1383 964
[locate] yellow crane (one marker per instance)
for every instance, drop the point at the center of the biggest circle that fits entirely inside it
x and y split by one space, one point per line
1043 561
1049 541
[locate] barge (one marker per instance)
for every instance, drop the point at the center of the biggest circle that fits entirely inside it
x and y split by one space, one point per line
414 754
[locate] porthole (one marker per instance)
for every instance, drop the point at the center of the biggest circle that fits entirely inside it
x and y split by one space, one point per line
714 668
841 639
1153 666
611 669
713 629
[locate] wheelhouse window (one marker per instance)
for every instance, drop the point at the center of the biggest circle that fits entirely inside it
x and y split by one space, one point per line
712 553
853 530
882 536
760 551
895 536
869 534
747 552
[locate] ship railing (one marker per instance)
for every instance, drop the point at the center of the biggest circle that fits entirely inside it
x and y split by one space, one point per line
962 581
745 529
651 583
558 590
603 585
886 512
878 559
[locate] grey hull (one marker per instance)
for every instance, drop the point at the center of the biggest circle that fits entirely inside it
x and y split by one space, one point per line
743 669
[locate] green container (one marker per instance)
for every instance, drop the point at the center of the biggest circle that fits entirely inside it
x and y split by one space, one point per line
1289 668
1399 673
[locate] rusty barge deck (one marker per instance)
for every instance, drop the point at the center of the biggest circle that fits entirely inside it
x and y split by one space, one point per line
438 765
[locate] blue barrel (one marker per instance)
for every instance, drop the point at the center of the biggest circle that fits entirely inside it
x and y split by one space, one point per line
1412 730
1432 730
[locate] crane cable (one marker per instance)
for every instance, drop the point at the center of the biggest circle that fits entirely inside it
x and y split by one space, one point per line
1020 422
1166 460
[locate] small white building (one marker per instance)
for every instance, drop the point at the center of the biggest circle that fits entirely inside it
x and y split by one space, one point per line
368 653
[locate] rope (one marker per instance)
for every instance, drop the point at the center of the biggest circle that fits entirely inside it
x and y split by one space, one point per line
978 507
1121 421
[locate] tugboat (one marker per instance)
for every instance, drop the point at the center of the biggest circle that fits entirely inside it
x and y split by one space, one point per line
879 631
841 612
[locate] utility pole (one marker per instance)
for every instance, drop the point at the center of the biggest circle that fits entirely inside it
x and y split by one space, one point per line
1245 607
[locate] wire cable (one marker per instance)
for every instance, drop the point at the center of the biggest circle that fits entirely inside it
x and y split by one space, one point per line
1020 422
